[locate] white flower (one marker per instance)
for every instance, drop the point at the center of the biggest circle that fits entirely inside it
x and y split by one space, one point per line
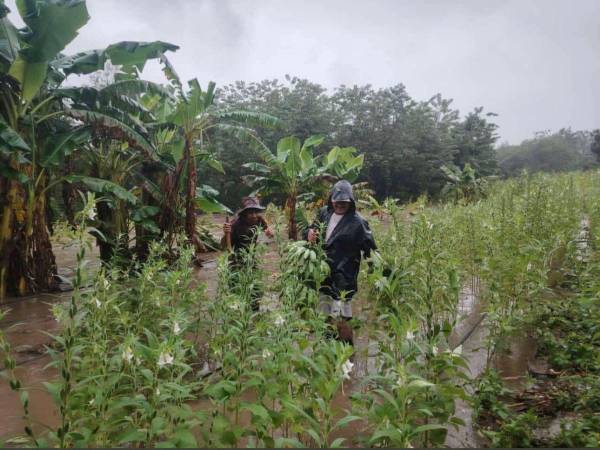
434 350
400 381
176 328
157 392
165 359
266 354
91 402
127 354
235 306
178 282
346 369
98 304
528 267
279 320
410 335
92 213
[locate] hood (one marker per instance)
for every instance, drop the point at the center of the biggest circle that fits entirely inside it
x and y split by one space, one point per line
342 190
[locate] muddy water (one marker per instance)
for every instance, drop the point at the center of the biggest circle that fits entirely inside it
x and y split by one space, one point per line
471 333
25 325
513 364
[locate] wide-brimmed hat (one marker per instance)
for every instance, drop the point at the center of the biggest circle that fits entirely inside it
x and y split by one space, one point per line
250 203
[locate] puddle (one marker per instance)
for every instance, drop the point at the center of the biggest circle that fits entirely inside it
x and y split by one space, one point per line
43 413
471 333
582 241
513 364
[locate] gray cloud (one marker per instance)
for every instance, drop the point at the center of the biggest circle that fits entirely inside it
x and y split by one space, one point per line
534 63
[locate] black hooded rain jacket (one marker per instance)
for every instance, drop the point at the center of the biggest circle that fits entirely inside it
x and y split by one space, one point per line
351 239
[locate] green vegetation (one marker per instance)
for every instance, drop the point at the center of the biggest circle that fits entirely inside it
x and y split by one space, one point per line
146 355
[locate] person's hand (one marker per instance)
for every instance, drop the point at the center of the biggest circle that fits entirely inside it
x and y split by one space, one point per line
226 228
269 232
313 235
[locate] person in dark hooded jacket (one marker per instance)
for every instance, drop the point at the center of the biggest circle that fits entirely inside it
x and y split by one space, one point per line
347 239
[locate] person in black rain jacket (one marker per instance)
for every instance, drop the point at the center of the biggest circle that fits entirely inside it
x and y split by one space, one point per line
347 239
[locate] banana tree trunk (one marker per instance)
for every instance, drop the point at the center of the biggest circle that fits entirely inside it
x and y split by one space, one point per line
292 225
27 262
190 200
68 194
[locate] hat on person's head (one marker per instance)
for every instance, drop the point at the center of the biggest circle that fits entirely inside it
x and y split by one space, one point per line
342 192
250 203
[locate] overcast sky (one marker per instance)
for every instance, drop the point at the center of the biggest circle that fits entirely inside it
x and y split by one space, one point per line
536 63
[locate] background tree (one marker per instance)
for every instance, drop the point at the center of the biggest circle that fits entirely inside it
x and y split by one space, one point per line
550 152
595 144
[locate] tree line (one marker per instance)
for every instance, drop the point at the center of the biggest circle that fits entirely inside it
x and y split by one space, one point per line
405 141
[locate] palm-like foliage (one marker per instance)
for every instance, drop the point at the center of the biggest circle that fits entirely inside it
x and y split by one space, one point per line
294 171
464 185
38 128
195 115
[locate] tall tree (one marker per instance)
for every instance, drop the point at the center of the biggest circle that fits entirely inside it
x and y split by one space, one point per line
474 139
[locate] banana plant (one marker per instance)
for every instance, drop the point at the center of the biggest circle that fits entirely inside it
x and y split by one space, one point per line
295 172
26 114
36 132
463 185
195 115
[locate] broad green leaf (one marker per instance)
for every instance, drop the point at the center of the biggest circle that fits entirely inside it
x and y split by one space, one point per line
288 144
306 159
257 410
133 88
338 442
150 225
30 75
392 434
114 124
103 186
63 144
332 155
129 53
176 149
346 420
185 439
211 206
144 212
12 174
216 165
9 40
125 53
81 63
313 141
10 138
131 436
53 25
